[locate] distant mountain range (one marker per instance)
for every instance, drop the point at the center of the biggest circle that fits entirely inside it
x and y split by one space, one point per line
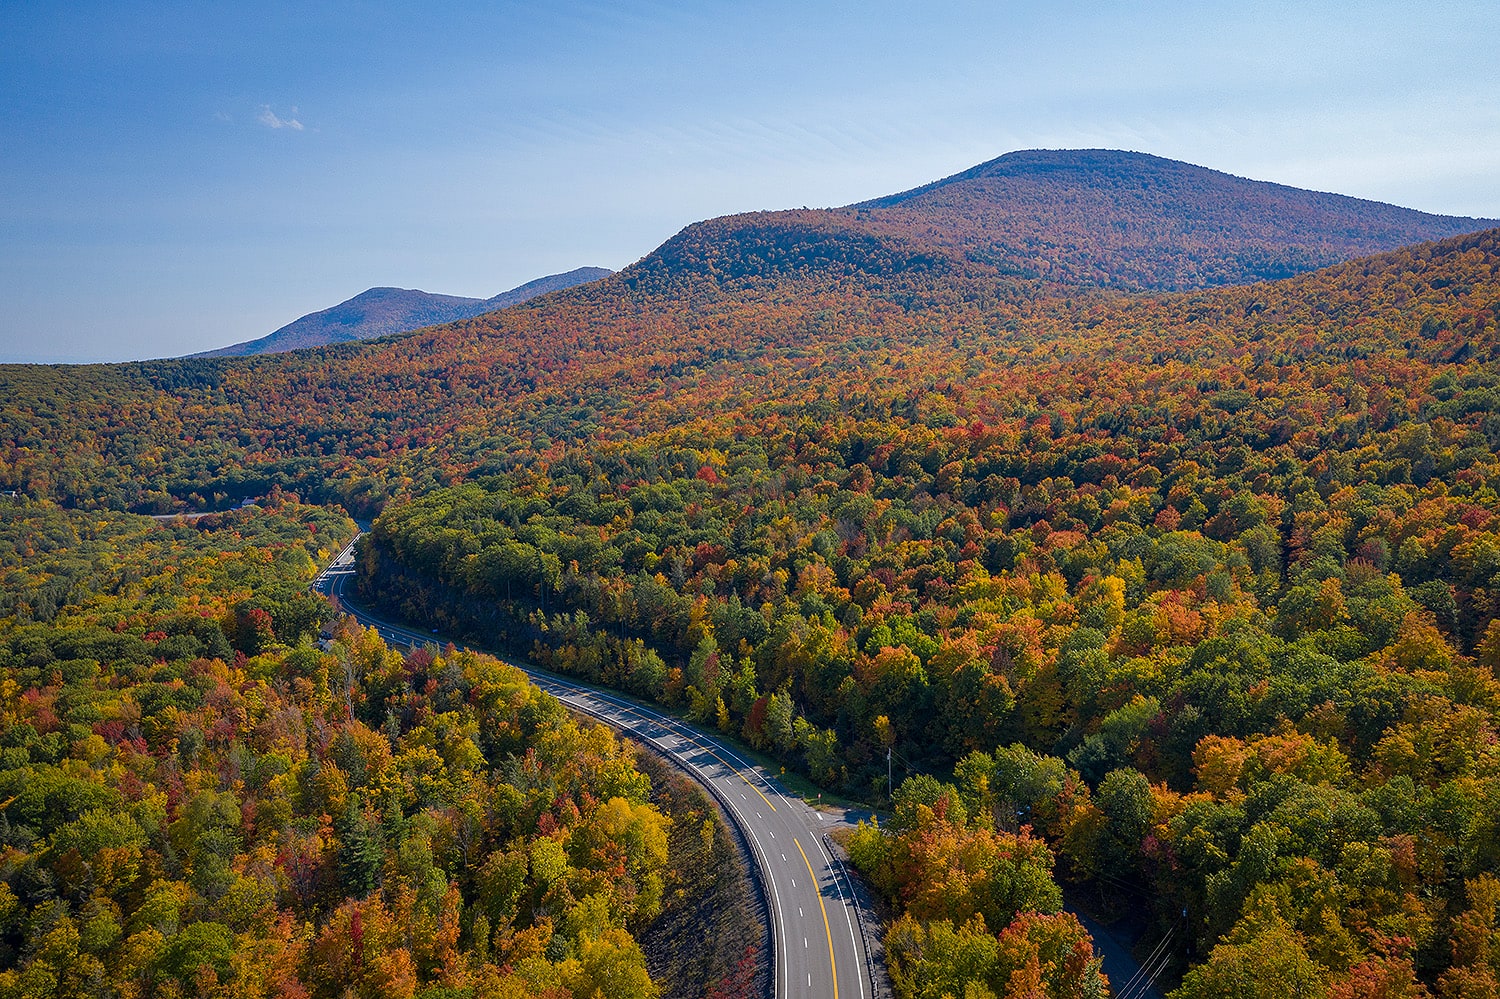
383 311
1086 217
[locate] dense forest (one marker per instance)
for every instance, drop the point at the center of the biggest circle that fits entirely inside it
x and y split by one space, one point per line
1204 601
1188 601
195 800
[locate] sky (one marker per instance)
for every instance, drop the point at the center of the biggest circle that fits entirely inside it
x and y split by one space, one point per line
177 177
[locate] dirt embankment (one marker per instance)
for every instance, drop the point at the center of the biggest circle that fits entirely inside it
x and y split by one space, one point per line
710 937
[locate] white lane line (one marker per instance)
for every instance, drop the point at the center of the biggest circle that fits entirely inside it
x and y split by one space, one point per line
783 858
834 870
780 928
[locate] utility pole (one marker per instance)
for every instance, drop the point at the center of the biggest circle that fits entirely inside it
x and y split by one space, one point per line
889 793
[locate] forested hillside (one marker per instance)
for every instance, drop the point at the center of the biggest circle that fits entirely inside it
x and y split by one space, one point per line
1203 590
775 306
1128 220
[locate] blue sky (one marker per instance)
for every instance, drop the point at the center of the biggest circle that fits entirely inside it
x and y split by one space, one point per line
175 177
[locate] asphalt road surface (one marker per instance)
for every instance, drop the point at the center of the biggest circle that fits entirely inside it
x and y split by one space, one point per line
818 938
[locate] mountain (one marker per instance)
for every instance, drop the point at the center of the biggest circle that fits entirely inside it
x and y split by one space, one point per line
383 311
543 285
1135 221
1085 218
1092 217
750 310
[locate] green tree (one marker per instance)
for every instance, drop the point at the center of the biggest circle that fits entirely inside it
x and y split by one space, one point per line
1263 957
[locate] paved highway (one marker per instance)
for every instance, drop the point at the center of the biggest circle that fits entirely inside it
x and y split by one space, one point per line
818 937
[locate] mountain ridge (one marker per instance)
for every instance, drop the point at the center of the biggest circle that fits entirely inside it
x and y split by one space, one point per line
385 311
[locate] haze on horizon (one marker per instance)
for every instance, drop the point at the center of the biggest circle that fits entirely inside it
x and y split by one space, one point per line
178 178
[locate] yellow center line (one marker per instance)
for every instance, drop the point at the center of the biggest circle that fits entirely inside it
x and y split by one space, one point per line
834 965
741 776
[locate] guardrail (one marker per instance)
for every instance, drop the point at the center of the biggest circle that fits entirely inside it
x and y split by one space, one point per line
879 985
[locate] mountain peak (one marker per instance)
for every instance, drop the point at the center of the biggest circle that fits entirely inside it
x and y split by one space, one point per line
1136 221
1047 162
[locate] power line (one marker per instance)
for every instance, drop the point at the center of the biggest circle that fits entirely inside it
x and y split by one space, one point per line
1140 983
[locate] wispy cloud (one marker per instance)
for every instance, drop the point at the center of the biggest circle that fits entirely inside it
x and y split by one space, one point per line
271 119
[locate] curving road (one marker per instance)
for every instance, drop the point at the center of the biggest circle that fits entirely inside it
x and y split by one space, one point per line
818 926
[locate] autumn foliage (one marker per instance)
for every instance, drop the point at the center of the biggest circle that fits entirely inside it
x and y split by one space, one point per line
1188 597
196 800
